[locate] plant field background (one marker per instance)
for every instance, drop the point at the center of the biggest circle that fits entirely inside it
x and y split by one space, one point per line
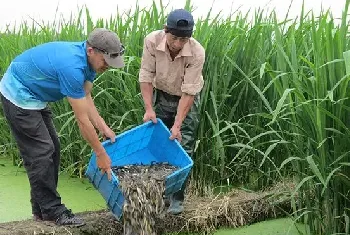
275 104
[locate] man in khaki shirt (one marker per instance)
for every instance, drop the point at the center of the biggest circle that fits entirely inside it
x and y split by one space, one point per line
171 80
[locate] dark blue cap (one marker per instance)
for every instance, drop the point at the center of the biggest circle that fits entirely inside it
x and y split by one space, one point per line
180 22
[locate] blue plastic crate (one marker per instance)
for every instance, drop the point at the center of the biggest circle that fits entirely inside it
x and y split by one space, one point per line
145 144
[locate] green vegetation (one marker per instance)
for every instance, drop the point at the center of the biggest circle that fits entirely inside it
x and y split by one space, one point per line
271 227
275 103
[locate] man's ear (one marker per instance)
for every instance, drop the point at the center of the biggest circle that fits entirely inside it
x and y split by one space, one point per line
89 50
166 29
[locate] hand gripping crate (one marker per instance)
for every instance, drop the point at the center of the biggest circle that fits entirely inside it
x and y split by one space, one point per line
145 144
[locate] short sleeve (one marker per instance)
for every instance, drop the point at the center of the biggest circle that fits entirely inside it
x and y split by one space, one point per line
148 63
72 82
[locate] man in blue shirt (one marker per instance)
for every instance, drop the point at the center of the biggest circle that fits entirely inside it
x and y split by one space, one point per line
48 73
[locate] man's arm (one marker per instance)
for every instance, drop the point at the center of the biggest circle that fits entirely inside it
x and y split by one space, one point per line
94 115
73 87
185 104
147 94
80 108
146 76
193 84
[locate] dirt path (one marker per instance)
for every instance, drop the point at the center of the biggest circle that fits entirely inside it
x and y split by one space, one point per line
234 209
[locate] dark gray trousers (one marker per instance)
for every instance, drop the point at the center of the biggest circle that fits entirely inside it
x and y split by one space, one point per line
39 148
165 106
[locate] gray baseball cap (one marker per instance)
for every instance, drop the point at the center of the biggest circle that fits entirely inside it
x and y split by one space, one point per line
109 44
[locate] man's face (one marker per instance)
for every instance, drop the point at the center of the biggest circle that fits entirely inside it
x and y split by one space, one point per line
175 44
96 60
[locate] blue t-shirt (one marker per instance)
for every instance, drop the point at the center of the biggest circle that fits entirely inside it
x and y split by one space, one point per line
47 73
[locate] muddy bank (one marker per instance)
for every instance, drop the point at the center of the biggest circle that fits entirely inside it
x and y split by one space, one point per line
234 209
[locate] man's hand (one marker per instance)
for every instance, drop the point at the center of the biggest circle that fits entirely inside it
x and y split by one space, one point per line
109 134
150 115
175 133
147 93
104 163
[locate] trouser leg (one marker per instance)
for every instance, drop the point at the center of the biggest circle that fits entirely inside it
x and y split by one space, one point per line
39 148
166 107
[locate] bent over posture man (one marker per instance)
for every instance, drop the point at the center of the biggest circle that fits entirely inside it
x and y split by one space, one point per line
171 68
48 73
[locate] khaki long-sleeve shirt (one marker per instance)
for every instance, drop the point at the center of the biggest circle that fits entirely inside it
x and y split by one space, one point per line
181 75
